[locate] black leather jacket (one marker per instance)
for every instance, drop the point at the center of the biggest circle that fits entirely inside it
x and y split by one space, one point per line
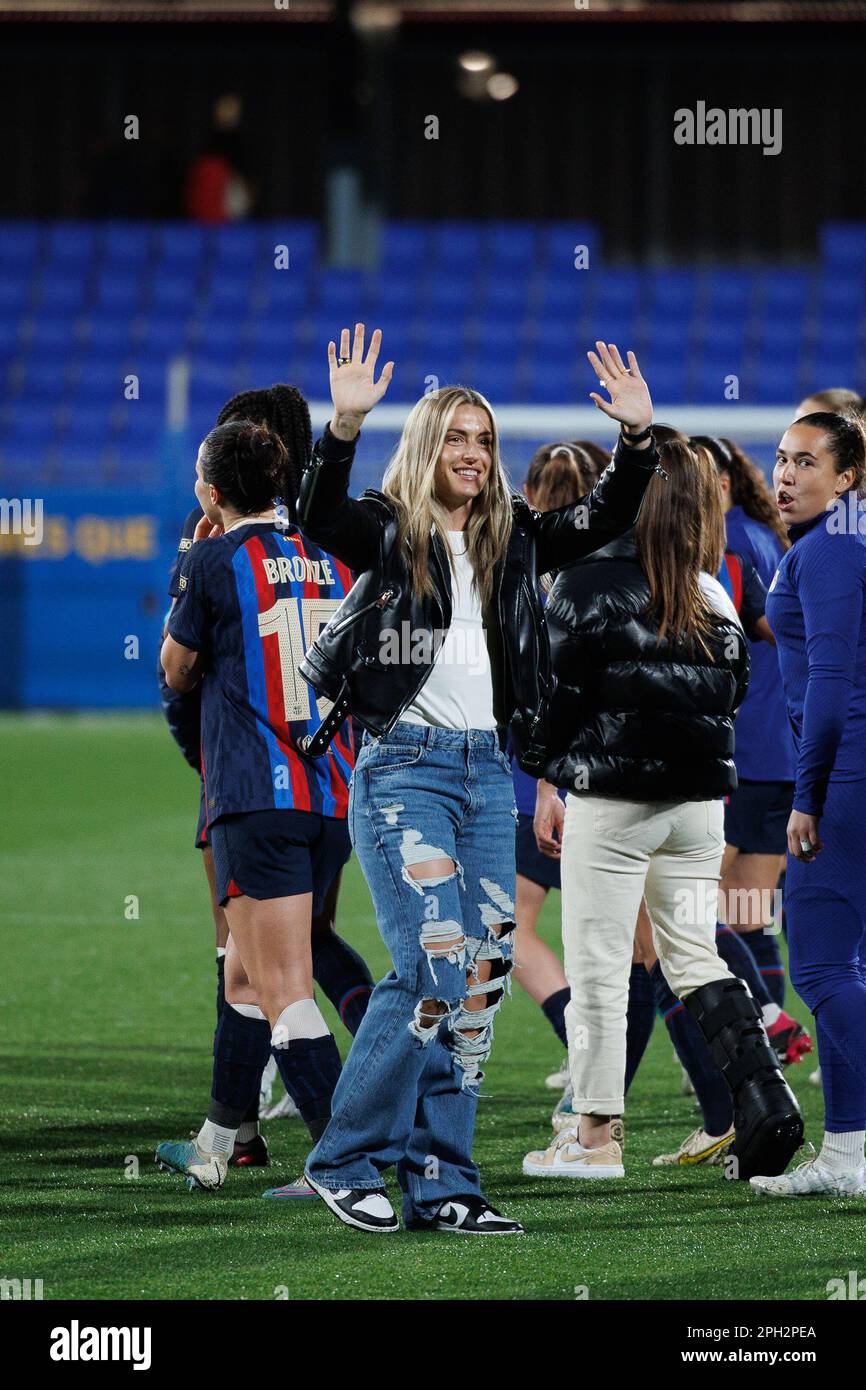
344 663
633 717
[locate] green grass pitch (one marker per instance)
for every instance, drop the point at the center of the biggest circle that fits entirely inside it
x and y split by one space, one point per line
107 1026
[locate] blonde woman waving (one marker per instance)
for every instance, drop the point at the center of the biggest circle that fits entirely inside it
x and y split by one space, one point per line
439 647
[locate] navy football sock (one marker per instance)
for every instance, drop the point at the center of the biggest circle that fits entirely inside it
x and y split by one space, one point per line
553 1008
310 1070
343 977
734 951
221 985
241 1049
768 958
641 1019
251 1115
710 1086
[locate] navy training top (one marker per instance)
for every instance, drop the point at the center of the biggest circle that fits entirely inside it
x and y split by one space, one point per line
817 610
764 749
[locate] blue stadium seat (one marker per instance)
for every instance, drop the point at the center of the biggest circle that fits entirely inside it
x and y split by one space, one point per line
396 294
173 294
28 424
139 419
87 422
770 385
555 384
457 247
344 294
504 294
279 293
21 243
101 379
557 243
16 292
60 292
672 292
45 380
51 335
265 367
208 394
843 244
300 236
163 334
785 291
181 246
241 245
839 284
310 375
71 244
616 291
513 248
710 381
107 331
406 248
230 294
276 338
496 378
727 294
129 244
120 289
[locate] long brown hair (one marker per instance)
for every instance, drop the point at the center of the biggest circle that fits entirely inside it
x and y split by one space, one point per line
749 488
679 530
559 474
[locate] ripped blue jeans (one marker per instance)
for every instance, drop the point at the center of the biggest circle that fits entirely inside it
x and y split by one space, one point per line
408 1092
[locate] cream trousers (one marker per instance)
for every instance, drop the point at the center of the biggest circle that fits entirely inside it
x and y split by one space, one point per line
614 852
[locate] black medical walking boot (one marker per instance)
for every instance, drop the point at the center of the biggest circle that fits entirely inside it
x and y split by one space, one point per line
767 1119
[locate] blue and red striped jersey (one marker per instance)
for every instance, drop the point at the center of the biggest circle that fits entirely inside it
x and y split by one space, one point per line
251 602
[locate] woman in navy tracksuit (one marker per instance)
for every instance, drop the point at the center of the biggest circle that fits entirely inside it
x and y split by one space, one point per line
817 609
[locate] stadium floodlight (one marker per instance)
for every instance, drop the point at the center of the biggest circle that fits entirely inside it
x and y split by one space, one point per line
475 61
502 85
375 16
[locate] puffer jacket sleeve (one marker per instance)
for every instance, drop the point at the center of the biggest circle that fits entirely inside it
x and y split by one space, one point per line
345 527
570 533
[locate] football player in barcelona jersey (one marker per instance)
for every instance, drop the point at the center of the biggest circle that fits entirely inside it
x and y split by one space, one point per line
253 595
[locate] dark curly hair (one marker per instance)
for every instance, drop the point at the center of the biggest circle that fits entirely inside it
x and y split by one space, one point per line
283 409
749 487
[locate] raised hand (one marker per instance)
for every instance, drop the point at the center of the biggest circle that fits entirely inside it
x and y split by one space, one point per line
354 387
630 401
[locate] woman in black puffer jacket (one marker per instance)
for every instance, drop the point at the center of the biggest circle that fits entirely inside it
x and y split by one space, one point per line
652 664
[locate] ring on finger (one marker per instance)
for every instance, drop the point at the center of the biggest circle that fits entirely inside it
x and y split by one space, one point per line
806 846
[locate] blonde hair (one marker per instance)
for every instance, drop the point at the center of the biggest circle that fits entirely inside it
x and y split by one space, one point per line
410 483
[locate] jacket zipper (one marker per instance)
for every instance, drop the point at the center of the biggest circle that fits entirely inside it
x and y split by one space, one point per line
378 602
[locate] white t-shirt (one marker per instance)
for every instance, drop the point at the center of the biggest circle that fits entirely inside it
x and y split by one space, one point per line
717 598
458 693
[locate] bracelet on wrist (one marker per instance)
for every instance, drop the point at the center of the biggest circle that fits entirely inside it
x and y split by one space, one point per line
636 437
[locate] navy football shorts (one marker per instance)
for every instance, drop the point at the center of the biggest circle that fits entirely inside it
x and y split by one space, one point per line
530 861
278 854
756 817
